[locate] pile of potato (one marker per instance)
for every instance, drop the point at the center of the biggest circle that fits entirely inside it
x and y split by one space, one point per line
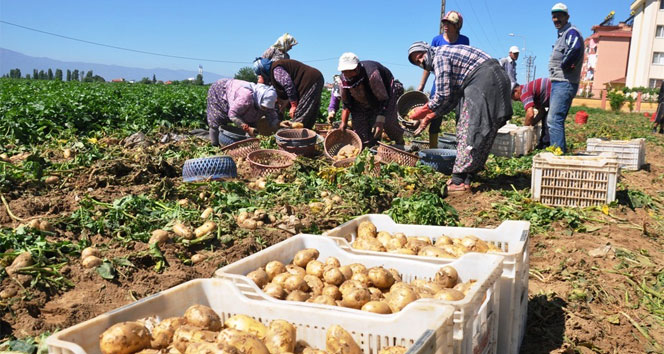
346 152
376 289
257 219
200 331
368 238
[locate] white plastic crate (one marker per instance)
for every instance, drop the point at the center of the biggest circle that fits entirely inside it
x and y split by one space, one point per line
428 329
475 316
631 153
574 181
511 236
512 140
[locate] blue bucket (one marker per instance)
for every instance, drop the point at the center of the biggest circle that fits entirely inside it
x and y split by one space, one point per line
209 168
441 160
229 134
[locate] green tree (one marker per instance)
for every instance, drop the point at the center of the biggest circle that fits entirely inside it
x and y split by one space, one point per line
246 74
88 77
35 74
42 75
154 78
199 79
145 80
15 73
58 74
74 75
68 75
50 74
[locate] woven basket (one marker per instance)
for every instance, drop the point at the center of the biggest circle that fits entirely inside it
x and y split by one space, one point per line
307 151
337 139
390 154
295 137
242 148
322 128
266 161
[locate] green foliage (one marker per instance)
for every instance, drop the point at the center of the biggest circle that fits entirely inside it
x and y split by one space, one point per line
517 107
247 74
423 208
616 100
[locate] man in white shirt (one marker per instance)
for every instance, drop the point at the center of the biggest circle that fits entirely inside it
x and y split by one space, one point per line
509 63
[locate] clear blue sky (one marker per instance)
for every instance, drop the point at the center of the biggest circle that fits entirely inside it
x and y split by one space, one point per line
233 30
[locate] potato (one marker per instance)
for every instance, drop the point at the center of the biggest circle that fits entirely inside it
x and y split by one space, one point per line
433 251
273 268
424 239
447 277
315 268
315 284
149 351
393 350
90 251
203 317
210 348
332 291
313 351
162 334
347 271
198 258
358 268
449 295
443 240
395 274
280 337
246 324
416 244
377 307
298 295
281 279
332 261
368 244
91 262
400 298
362 278
348 285
324 300
338 341
275 290
356 298
183 231
124 338
431 286
67 153
407 251
366 230
295 282
384 237
259 277
250 224
464 287
206 213
205 229
454 249
305 256
159 237
395 243
474 244
52 180
333 276
376 294
296 270
243 342
381 278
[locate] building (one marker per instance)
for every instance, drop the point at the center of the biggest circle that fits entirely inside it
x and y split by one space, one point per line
646 55
605 61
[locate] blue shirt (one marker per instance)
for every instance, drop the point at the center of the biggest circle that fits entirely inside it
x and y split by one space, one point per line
440 40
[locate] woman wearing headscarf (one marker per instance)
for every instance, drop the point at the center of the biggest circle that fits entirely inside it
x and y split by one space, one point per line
279 50
471 78
240 102
296 82
369 94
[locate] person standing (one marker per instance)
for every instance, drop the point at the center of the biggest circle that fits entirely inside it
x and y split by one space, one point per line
535 95
452 23
335 99
369 94
509 63
564 71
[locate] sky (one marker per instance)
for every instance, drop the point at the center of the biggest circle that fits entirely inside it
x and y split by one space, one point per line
225 35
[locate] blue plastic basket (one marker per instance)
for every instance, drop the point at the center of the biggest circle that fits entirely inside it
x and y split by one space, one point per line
209 168
447 141
441 160
231 133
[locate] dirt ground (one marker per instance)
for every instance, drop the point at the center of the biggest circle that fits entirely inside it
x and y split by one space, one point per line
559 262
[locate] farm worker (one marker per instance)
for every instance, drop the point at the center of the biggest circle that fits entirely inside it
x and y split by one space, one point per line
535 95
452 23
279 50
296 82
369 94
470 78
509 63
335 99
564 71
659 117
240 102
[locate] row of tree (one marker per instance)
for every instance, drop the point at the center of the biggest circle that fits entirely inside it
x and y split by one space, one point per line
58 75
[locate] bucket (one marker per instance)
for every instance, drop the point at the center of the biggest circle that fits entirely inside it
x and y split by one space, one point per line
581 117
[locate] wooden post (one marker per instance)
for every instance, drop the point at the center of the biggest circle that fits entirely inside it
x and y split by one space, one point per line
442 15
603 99
638 101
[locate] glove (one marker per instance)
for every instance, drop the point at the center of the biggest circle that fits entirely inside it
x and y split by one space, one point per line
424 123
378 130
420 112
293 107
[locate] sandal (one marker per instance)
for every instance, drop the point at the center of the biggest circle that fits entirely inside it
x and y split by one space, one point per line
457 188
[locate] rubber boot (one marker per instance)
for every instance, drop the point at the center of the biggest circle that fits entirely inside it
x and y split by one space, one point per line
433 140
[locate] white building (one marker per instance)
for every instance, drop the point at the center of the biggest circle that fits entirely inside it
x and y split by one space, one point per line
646 53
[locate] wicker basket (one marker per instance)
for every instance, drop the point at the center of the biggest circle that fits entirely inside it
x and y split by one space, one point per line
242 148
266 161
390 154
338 138
323 128
307 151
295 137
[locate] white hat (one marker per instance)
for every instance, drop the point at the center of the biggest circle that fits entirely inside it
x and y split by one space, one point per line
348 61
559 7
514 49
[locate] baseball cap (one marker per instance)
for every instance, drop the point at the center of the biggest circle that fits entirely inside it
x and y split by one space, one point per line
514 49
455 18
559 7
348 61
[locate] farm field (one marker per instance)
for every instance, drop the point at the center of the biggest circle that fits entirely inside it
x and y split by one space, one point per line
73 174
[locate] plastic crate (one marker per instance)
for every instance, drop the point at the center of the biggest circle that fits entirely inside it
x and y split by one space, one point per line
574 181
631 153
510 236
429 328
475 316
512 140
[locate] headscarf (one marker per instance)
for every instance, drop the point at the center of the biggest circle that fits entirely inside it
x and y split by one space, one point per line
428 54
285 42
264 96
262 67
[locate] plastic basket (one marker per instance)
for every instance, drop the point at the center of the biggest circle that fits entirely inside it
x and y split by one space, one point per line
336 139
510 236
447 141
301 150
233 133
295 137
419 144
429 328
574 181
209 168
264 162
408 101
475 316
512 140
631 153
441 160
390 154
242 148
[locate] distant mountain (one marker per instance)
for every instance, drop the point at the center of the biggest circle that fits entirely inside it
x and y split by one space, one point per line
10 59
